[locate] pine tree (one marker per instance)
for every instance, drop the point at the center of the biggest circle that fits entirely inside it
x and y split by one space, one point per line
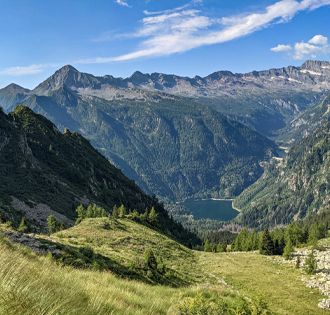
219 248
267 245
153 217
81 214
288 249
53 224
122 210
150 258
298 262
115 212
207 246
23 227
311 264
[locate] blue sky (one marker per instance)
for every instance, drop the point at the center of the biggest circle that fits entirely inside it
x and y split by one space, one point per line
186 38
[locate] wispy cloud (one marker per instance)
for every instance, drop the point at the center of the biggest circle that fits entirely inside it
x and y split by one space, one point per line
183 29
123 3
318 45
32 69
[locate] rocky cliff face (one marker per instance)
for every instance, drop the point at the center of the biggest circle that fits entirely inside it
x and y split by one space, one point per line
263 100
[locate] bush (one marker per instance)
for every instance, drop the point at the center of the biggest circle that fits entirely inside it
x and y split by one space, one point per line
87 251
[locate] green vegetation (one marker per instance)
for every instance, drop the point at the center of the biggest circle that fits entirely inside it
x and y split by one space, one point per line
292 189
71 173
170 146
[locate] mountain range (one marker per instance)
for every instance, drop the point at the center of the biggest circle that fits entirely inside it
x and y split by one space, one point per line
171 146
265 101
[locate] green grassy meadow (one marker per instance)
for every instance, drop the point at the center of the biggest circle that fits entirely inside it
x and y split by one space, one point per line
37 284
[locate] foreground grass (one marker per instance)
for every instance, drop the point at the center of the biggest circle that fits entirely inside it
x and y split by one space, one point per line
255 275
35 284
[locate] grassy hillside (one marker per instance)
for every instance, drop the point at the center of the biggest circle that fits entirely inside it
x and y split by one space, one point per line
33 284
293 188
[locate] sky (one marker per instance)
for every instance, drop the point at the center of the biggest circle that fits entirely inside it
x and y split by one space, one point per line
186 38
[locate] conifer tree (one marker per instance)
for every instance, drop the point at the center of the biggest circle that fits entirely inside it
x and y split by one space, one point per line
311 264
23 227
53 224
266 245
298 262
288 249
153 217
81 213
150 258
122 210
207 246
115 212
219 248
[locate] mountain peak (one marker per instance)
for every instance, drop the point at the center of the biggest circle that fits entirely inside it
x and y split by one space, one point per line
15 87
315 65
70 77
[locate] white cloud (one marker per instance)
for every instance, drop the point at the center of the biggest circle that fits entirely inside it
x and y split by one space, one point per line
123 3
32 69
318 45
180 30
304 50
281 48
319 40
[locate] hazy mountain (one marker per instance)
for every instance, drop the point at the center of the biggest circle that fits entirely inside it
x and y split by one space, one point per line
170 146
293 188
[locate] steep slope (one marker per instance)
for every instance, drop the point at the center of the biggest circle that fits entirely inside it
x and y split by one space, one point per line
293 188
171 147
306 123
43 172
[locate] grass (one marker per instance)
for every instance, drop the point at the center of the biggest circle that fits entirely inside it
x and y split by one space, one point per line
255 275
35 284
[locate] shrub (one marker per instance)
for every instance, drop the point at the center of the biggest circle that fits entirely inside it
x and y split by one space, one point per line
87 251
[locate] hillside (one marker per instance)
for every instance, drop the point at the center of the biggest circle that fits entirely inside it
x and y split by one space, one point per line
43 172
293 188
169 146
306 123
115 279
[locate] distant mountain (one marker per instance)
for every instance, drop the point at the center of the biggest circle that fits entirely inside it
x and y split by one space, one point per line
170 146
295 187
306 123
265 101
44 171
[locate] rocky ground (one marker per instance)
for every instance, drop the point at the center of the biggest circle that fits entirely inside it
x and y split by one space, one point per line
321 280
31 240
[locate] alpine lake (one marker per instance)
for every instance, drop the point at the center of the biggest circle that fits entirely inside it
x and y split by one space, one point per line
211 208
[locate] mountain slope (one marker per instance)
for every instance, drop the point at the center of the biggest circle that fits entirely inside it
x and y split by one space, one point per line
170 146
295 187
43 172
306 123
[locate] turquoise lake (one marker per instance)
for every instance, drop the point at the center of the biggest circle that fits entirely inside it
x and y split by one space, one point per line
212 209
